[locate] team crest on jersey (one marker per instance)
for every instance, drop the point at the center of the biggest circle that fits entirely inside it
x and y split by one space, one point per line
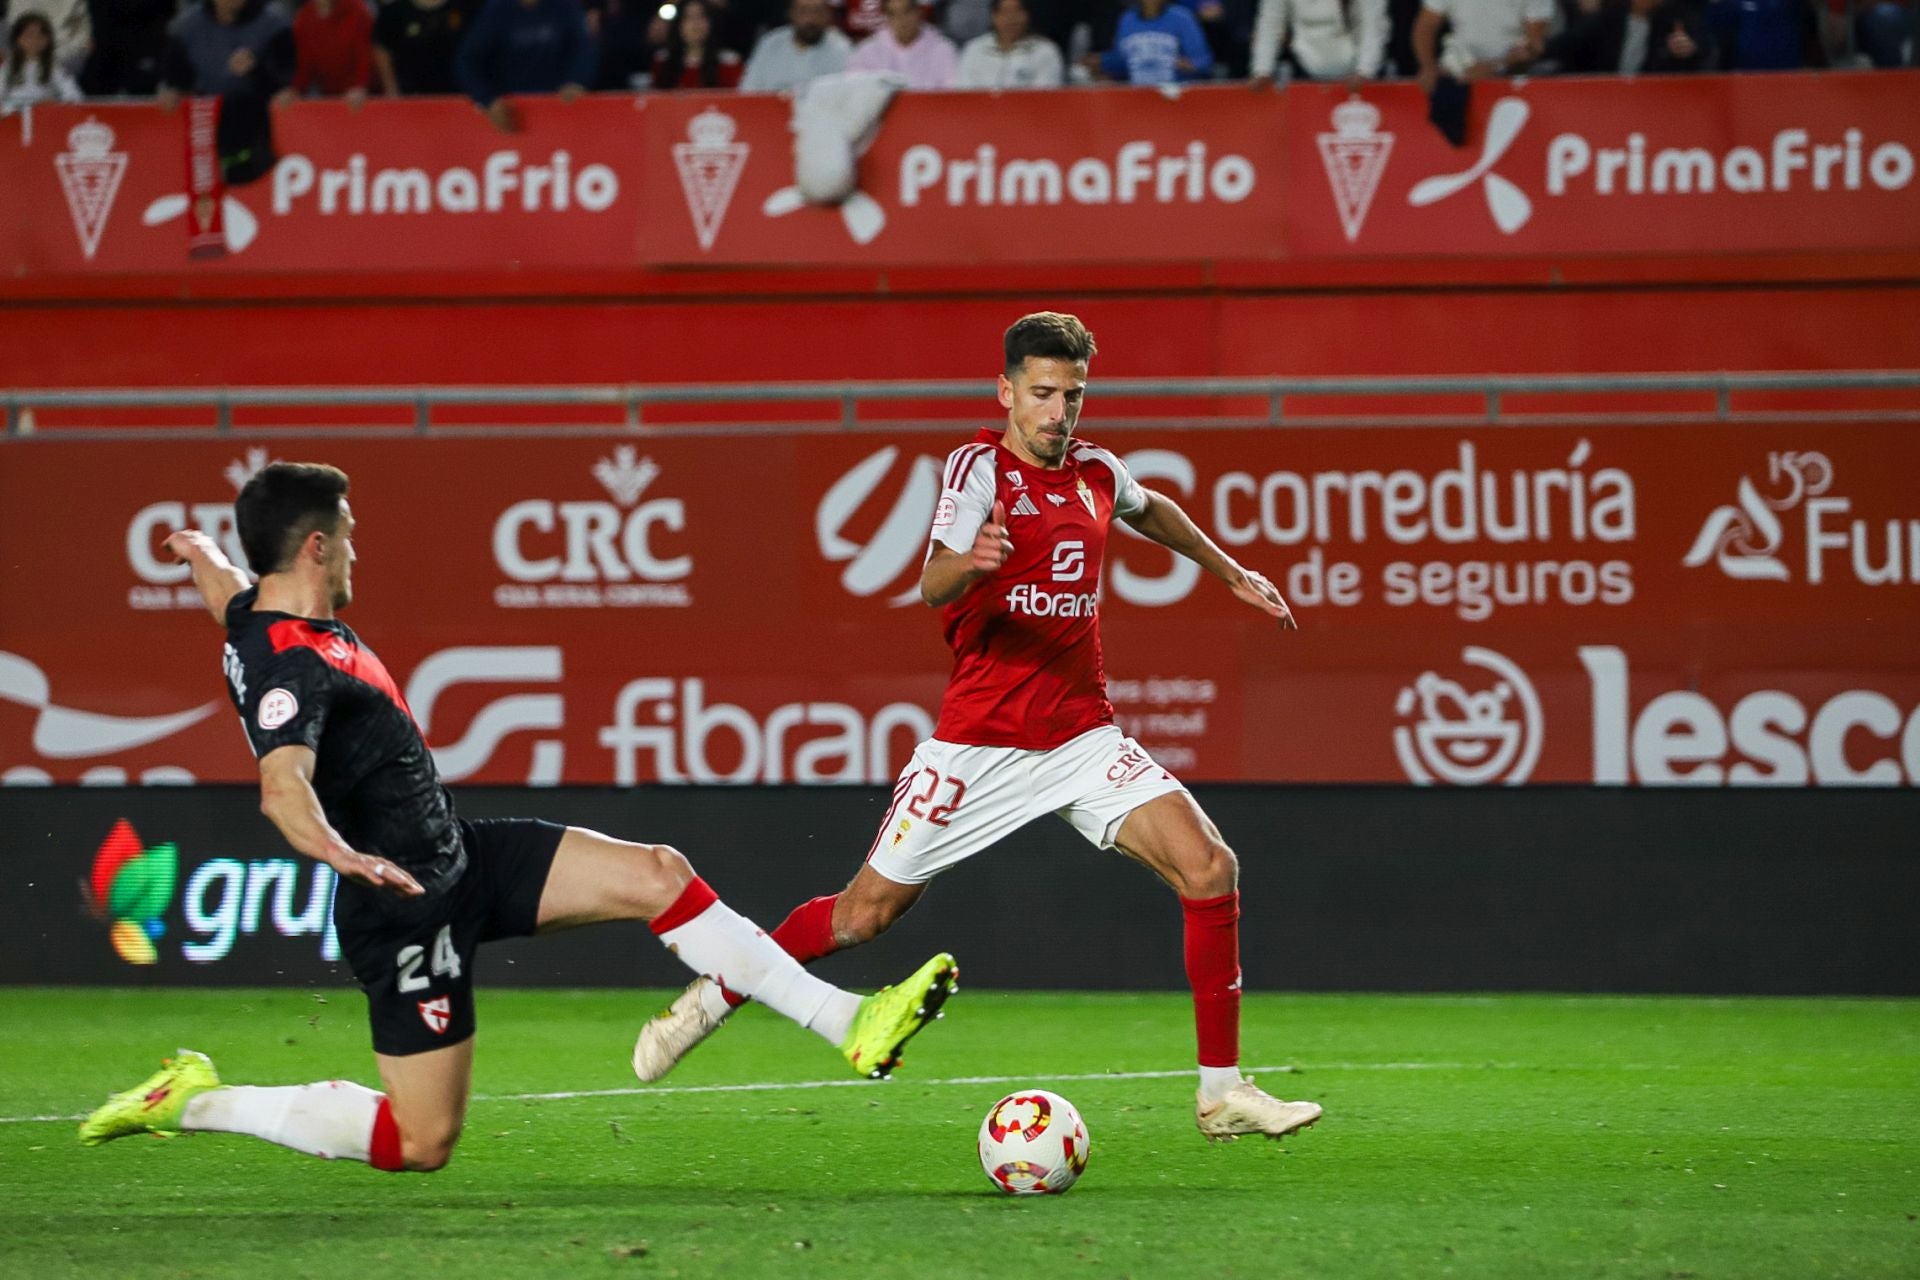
277 706
437 1014
1086 497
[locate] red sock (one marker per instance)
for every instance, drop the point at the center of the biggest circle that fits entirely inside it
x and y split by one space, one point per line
806 935
383 1148
1213 971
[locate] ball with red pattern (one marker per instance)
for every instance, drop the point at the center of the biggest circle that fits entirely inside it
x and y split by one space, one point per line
1033 1143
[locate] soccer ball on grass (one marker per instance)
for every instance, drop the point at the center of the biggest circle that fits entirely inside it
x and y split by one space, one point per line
1033 1143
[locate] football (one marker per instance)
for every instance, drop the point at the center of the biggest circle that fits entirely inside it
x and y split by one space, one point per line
1033 1143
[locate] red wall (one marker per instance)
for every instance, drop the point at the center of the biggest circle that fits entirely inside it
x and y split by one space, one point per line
1185 332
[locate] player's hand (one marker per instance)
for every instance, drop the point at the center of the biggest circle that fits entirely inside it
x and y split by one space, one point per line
379 873
1257 590
991 547
188 545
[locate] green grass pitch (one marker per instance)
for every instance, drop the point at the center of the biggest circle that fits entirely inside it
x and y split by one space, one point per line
1469 1137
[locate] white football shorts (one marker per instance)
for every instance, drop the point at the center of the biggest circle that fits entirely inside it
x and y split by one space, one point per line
952 801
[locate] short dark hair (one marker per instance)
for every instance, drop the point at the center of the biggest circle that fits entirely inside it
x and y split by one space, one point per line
1049 335
281 505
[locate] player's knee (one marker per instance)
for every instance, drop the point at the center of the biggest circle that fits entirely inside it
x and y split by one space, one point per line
1214 873
658 875
429 1149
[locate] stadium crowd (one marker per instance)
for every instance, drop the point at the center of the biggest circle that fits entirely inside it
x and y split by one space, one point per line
488 49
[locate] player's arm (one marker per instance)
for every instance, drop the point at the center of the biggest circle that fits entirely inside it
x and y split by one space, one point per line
288 799
214 576
1162 520
948 573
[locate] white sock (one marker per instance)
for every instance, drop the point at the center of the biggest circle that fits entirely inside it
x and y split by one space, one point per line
332 1119
713 1001
1216 1082
732 950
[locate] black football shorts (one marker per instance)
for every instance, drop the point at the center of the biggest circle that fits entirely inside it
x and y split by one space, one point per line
414 957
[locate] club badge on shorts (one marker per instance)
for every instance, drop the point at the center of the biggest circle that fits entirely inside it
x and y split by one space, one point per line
437 1014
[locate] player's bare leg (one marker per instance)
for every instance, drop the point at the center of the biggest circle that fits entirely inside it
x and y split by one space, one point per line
427 1098
1173 837
861 912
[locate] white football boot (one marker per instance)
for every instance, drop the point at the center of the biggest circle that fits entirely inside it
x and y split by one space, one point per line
673 1033
1247 1109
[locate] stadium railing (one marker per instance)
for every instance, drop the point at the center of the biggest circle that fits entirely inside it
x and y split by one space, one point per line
657 409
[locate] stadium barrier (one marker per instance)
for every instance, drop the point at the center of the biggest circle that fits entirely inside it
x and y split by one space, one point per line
1721 165
1658 603
1547 889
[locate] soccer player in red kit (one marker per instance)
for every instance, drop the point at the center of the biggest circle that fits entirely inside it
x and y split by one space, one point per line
1025 727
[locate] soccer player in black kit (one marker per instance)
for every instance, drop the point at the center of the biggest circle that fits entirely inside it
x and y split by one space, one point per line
349 781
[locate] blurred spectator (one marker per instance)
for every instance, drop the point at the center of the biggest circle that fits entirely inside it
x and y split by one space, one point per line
1884 30
967 20
129 39
1632 37
333 49
861 18
525 46
1157 43
414 43
1228 27
30 73
788 57
1489 37
909 46
227 47
70 22
1321 39
1010 56
692 57
629 33
1766 35
1401 17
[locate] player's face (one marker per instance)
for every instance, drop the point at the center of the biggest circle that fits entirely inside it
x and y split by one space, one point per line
1043 403
339 558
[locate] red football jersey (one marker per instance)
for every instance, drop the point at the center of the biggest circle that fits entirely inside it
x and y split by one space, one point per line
1026 641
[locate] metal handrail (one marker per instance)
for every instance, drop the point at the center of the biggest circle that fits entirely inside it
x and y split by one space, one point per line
633 398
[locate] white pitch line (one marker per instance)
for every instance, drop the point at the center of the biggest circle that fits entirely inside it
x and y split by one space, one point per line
770 1086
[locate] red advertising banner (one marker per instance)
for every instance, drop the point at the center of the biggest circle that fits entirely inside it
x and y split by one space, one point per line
1662 165
1625 604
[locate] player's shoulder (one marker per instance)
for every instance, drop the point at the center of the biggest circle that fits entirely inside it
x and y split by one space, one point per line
971 463
1086 451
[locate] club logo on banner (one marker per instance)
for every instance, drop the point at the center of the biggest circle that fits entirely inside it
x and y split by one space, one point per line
899 541
1355 155
1467 739
1509 205
90 172
709 162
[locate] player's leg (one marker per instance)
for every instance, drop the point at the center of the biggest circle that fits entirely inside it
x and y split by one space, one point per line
594 878
948 803
1117 796
1172 836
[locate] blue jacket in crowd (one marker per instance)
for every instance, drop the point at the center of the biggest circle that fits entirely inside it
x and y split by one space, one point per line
526 46
1144 49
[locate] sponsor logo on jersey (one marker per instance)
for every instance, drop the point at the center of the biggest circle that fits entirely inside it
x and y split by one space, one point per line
1035 602
1024 507
437 1013
277 706
1069 560
1056 500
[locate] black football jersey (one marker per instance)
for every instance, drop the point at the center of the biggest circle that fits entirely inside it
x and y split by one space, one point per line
310 682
